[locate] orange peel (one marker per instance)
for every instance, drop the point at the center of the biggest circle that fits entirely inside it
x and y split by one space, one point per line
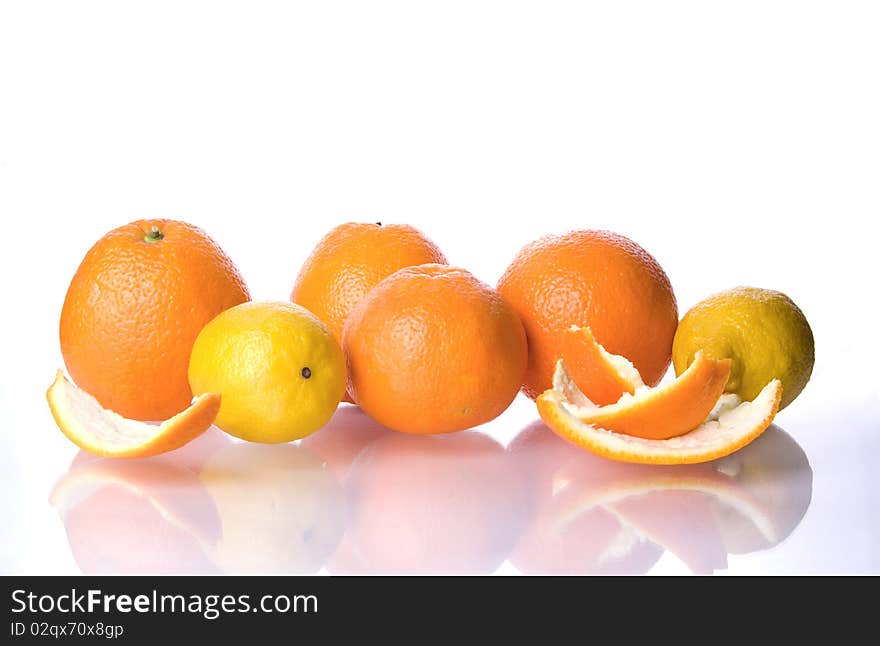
103 432
731 425
665 411
602 376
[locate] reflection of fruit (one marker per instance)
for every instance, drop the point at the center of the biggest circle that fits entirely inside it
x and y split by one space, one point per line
433 504
680 521
194 455
339 444
281 510
147 516
537 453
347 433
432 350
134 308
350 261
278 368
596 515
776 472
594 541
594 278
730 426
570 531
104 432
665 411
762 331
603 377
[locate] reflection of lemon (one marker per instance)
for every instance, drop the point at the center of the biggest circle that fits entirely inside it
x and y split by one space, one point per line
762 331
281 509
279 370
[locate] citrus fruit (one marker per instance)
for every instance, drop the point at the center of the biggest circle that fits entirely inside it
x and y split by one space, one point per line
603 377
432 350
104 432
597 279
134 308
350 260
730 425
762 331
280 371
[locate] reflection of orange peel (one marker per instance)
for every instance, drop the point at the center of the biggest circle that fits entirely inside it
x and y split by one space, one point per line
78 485
729 426
98 430
728 493
696 543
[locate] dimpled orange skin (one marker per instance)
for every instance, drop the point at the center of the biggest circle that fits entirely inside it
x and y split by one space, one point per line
134 309
433 350
598 279
350 261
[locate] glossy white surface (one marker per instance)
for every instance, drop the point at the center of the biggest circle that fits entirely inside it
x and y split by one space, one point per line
736 142
357 498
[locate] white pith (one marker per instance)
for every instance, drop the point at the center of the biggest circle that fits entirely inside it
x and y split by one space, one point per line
93 426
729 422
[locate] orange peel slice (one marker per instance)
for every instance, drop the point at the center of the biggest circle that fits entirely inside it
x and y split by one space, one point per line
731 425
602 376
103 432
665 411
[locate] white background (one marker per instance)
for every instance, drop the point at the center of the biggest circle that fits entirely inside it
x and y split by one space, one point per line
739 142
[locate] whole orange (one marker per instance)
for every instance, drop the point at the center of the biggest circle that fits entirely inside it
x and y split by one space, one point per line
598 279
134 308
350 260
432 350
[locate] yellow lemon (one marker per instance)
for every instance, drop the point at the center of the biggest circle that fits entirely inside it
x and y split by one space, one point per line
278 368
765 334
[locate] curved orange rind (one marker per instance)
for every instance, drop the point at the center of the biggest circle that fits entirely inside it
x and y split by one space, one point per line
103 432
602 376
665 411
730 425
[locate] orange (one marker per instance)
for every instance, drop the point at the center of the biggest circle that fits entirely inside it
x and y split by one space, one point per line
730 425
350 261
103 432
432 350
134 308
597 279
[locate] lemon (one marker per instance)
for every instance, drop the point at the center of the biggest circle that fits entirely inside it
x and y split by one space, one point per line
278 369
764 333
